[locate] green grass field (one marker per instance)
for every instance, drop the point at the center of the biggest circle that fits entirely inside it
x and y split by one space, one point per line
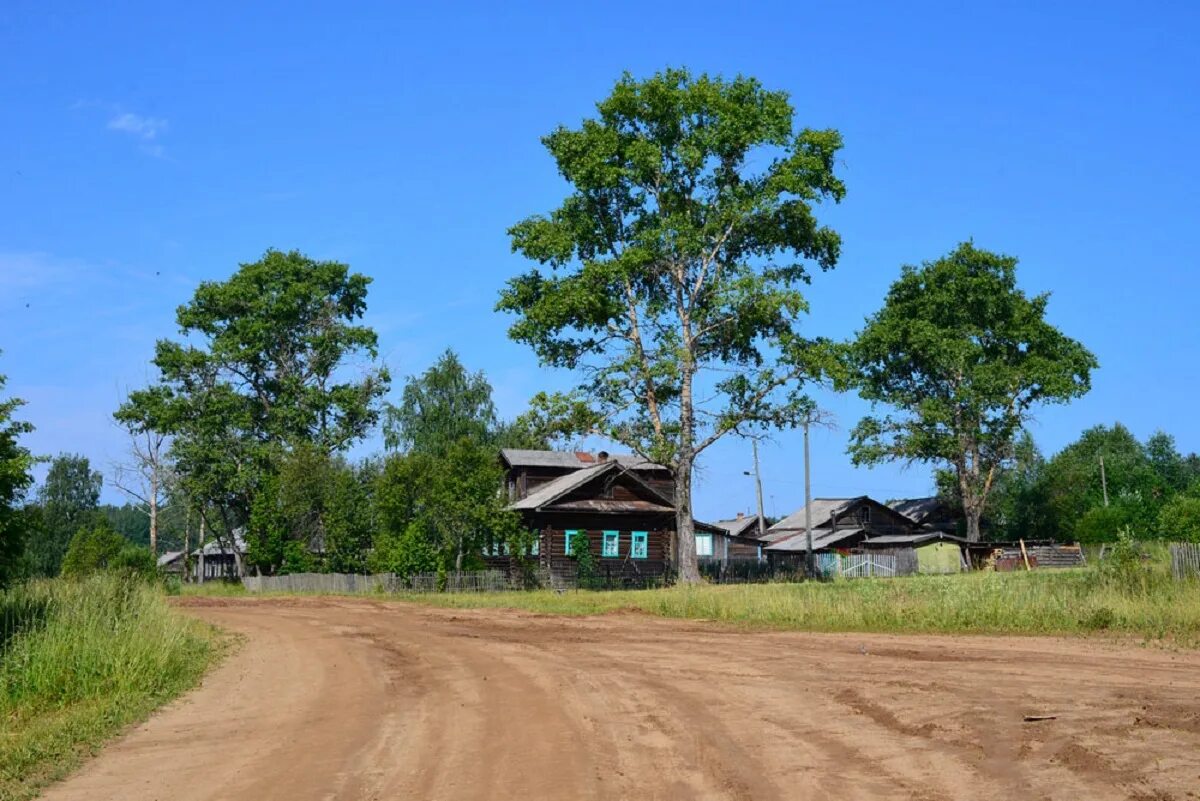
79 660
1065 602
1138 601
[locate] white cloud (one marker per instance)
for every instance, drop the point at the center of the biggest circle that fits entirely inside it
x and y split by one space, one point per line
145 128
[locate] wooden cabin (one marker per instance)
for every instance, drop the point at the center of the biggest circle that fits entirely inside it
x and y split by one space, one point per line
739 539
625 505
839 524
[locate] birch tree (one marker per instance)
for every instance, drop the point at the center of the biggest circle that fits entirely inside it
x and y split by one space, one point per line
670 275
145 479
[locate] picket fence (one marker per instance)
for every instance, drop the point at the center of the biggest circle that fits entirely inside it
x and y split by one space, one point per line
1185 560
354 584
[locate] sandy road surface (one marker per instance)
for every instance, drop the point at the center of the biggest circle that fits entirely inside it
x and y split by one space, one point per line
342 699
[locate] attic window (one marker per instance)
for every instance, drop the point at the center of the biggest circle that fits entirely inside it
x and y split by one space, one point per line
866 514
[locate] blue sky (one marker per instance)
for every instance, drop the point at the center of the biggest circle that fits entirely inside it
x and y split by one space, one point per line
145 148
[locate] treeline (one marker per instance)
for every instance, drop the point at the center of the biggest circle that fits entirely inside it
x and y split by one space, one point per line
1104 483
668 282
430 503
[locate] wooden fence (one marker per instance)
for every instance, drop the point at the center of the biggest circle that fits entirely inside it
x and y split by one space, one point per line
353 584
1185 560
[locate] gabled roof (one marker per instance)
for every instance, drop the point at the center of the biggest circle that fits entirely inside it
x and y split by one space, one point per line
563 486
823 510
572 460
744 526
214 547
822 539
168 557
917 509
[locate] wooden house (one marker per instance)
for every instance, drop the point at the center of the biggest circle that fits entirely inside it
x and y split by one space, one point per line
839 524
624 504
740 539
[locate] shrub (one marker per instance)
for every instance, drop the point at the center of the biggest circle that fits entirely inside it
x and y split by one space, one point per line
92 549
101 548
581 552
1179 519
1101 524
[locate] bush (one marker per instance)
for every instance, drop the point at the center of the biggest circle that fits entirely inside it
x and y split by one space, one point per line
101 548
1101 524
1179 520
581 552
1127 567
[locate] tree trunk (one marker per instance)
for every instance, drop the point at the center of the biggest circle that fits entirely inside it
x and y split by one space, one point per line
187 533
458 558
154 513
973 515
685 526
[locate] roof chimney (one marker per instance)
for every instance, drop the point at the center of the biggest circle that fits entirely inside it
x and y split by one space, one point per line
602 456
741 515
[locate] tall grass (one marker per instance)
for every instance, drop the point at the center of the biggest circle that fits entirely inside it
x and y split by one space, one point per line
1064 602
78 661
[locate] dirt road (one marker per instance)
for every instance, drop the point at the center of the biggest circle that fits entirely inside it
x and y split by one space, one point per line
359 700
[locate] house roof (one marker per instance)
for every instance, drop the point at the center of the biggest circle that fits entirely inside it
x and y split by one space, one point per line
552 491
917 509
214 547
744 526
823 510
822 539
167 557
919 538
572 460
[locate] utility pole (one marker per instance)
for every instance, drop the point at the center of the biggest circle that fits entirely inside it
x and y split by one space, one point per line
762 522
1103 481
808 500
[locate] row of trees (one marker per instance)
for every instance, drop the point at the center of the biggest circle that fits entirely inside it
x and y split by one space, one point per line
669 280
1104 483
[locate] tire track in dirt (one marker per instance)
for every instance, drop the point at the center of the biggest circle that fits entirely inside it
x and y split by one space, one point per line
361 699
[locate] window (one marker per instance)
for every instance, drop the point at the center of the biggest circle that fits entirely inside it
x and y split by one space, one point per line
612 544
866 514
704 545
571 532
637 545
536 547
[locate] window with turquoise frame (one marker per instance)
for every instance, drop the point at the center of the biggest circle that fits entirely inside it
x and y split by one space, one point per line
637 544
571 532
704 545
612 544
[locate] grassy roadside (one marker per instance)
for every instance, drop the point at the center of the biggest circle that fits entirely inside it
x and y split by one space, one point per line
1144 604
79 660
1072 602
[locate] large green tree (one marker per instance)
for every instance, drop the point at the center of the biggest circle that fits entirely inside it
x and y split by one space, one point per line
440 493
15 479
963 357
68 499
265 367
674 268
